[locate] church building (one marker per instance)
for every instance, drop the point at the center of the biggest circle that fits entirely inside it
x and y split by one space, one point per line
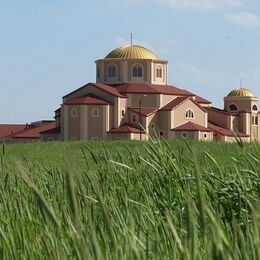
131 99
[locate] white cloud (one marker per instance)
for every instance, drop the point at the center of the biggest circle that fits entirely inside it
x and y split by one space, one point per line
244 19
203 5
197 5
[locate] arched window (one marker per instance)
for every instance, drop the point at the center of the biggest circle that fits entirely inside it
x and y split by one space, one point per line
232 107
122 113
254 107
74 113
95 112
111 71
159 72
256 120
189 114
134 118
137 71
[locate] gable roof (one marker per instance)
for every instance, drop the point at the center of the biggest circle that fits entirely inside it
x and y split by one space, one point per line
10 129
190 127
111 90
178 101
89 99
144 111
202 100
125 128
136 88
223 131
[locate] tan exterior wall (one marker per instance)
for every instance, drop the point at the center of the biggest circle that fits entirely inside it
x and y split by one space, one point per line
190 135
119 136
206 136
74 123
219 118
165 124
178 115
95 124
165 99
149 101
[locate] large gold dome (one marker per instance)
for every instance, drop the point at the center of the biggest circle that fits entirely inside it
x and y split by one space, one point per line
131 52
241 92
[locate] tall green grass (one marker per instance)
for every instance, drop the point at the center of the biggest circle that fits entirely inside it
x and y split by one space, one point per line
130 200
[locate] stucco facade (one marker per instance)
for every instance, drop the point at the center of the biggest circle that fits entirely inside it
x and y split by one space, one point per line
131 99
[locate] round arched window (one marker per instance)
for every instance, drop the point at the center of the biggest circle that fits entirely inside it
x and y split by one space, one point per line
111 71
189 114
137 71
232 107
159 72
254 107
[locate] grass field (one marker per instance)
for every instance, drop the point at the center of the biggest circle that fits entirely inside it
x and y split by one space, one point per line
130 200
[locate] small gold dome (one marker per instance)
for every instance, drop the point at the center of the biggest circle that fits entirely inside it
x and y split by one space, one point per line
131 52
241 92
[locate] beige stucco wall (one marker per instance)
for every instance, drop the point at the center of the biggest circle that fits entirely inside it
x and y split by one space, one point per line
178 115
149 101
74 123
165 99
119 136
219 118
95 124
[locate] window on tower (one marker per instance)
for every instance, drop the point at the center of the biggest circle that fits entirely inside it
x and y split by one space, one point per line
159 72
255 108
232 107
137 71
111 71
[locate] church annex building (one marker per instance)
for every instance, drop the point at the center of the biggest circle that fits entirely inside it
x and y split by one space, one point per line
131 99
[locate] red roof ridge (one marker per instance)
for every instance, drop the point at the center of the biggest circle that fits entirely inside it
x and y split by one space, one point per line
191 126
107 88
145 111
89 99
125 128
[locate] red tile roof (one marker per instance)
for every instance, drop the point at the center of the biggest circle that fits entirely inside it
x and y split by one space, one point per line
152 89
202 100
174 103
144 111
223 131
178 101
125 128
88 100
221 111
191 126
34 132
10 129
55 130
106 88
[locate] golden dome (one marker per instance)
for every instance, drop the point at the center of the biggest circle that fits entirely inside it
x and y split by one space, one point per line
131 52
241 92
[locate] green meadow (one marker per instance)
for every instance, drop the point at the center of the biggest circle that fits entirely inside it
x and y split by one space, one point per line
130 200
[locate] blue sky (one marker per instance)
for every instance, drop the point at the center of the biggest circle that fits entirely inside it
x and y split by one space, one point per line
48 47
